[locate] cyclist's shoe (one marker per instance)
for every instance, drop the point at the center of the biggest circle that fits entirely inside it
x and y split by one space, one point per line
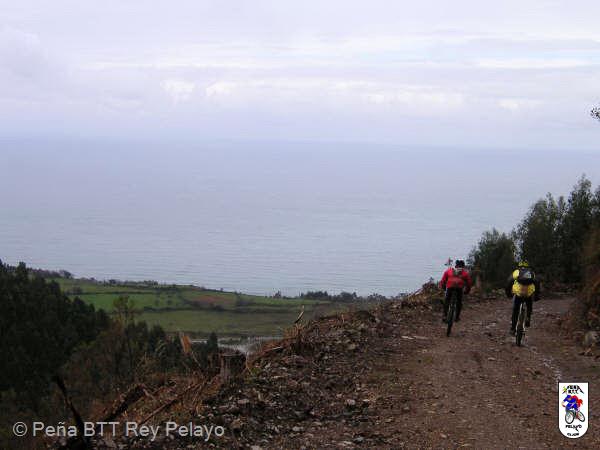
528 323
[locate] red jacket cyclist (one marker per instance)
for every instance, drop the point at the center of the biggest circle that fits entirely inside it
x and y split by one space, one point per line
454 281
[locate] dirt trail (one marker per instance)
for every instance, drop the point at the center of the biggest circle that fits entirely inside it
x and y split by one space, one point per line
475 389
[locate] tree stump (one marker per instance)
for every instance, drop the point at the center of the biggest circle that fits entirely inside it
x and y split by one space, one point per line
232 364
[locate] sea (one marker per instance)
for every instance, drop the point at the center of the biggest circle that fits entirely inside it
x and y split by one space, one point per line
262 217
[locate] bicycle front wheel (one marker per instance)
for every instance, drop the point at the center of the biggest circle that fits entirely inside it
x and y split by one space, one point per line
580 416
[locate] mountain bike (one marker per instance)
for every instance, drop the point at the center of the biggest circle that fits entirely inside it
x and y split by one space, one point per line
451 312
571 414
520 329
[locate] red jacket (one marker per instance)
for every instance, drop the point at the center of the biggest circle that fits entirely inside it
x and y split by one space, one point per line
450 280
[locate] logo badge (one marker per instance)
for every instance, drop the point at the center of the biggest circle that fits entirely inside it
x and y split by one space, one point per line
573 409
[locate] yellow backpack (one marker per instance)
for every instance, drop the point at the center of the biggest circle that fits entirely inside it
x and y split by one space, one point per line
523 285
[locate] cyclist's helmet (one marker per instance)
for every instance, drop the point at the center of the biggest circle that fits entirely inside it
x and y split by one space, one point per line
523 264
459 263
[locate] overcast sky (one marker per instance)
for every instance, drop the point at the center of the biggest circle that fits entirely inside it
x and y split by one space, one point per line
506 73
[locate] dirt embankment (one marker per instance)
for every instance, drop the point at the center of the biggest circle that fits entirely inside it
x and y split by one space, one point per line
390 378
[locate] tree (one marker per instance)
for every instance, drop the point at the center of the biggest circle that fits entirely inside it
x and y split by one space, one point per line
212 343
596 209
574 229
595 112
493 258
98 370
44 333
40 329
124 309
538 238
125 313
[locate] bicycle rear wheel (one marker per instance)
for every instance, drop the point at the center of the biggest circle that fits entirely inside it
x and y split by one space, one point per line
520 325
450 318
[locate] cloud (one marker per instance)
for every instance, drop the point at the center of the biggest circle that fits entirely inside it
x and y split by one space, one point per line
179 90
421 99
128 67
30 75
517 104
220 88
21 53
538 64
334 90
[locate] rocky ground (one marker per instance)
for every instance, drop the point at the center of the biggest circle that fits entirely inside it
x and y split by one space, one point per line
390 378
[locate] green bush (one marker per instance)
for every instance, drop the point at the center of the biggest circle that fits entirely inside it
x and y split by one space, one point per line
493 258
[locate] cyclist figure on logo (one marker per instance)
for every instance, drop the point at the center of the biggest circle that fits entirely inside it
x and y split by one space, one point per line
572 402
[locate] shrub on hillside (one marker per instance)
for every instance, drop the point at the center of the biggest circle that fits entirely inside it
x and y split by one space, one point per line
315 295
591 292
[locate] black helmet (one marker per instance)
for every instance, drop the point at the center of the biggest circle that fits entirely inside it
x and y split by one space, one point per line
459 263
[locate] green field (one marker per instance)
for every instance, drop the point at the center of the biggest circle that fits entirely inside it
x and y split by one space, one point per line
224 323
200 311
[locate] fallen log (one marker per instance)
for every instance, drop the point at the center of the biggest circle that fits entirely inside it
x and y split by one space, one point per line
81 441
168 404
125 401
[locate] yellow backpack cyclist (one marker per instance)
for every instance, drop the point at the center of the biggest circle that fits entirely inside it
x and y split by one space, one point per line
522 286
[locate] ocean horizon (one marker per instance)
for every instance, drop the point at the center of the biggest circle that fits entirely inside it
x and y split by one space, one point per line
262 217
